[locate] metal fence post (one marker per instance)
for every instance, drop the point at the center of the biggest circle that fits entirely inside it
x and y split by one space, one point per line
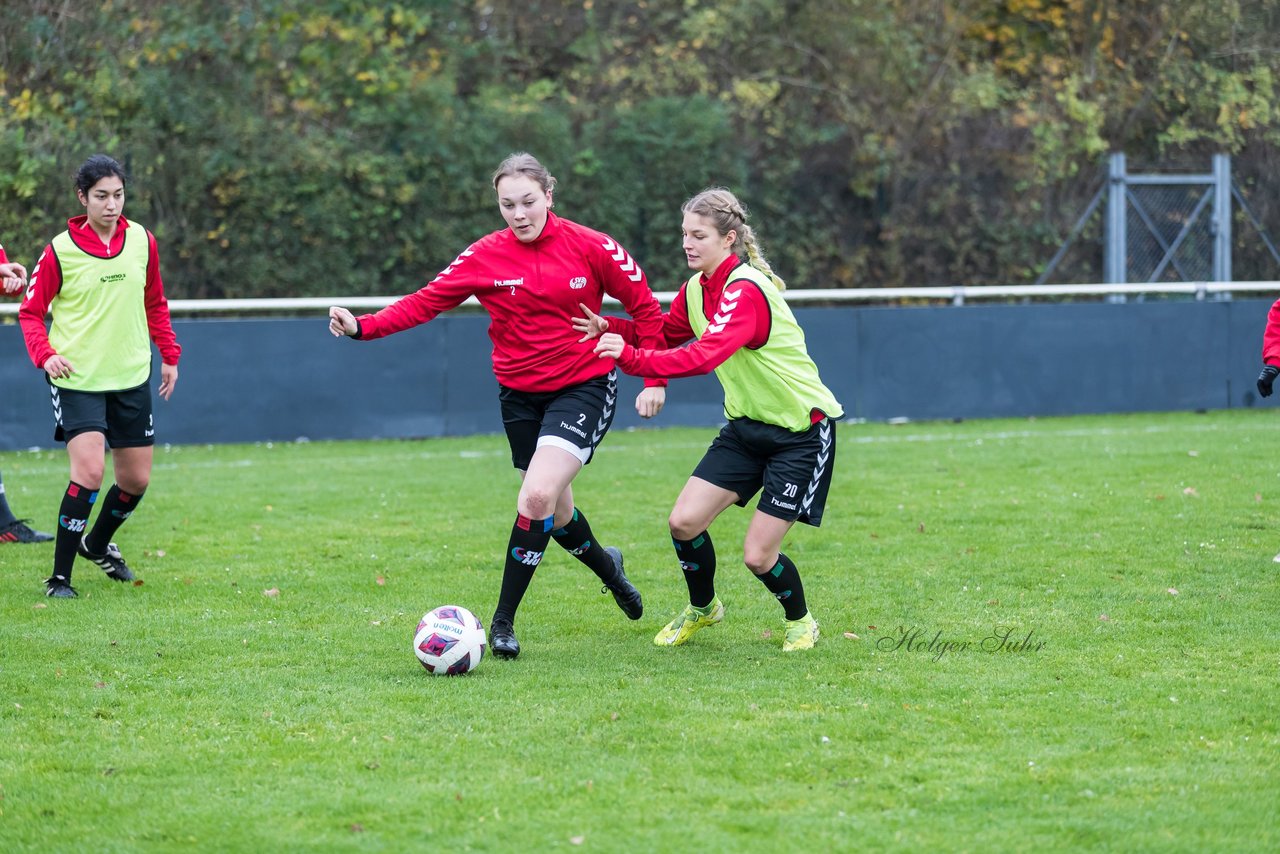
1115 252
1221 217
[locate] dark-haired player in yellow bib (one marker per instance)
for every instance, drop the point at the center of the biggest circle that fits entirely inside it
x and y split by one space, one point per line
101 280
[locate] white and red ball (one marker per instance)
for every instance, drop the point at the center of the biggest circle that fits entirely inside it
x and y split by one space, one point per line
449 641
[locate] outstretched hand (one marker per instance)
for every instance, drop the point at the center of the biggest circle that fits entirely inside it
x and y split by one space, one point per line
342 322
591 326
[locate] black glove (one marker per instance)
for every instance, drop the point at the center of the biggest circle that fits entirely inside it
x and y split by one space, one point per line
1266 378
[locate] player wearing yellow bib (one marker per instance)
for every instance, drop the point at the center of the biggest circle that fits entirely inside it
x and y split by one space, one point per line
101 280
780 436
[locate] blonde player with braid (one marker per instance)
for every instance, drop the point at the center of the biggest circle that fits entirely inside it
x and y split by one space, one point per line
780 435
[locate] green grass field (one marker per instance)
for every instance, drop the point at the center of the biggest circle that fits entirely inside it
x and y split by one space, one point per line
195 712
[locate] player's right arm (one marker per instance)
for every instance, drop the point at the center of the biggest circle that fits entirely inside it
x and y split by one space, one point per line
449 289
740 328
676 328
46 281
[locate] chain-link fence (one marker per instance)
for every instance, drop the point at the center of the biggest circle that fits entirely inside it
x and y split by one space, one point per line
1165 228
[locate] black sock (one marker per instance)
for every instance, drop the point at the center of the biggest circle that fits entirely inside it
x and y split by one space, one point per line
73 516
529 539
576 538
6 515
698 560
116 507
783 582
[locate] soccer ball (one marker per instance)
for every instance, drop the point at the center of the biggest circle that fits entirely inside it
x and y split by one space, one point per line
449 641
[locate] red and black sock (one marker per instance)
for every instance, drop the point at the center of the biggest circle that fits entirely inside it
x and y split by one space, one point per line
73 517
577 539
783 581
698 560
116 508
528 543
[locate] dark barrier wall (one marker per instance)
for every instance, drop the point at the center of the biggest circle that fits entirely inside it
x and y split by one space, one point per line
281 380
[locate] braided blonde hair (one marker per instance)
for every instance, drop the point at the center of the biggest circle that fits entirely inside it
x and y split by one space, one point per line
723 209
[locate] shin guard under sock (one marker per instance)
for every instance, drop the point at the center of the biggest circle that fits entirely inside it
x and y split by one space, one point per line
528 543
698 560
783 581
73 517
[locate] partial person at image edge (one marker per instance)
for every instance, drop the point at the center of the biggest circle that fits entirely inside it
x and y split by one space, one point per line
13 280
1270 358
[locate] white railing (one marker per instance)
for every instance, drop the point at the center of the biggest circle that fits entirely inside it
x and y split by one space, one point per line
956 295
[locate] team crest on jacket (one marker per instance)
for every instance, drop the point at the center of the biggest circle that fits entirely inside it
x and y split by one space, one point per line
578 282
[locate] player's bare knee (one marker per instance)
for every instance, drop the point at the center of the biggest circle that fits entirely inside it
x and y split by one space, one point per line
88 476
683 527
536 502
134 485
759 561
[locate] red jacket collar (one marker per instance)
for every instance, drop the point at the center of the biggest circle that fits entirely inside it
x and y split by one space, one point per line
88 240
550 229
715 284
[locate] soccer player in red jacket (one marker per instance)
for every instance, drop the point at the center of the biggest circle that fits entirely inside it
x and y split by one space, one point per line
557 397
101 279
1270 351
1270 358
13 278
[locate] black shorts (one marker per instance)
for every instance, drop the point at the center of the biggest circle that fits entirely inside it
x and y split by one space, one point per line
123 416
793 468
574 418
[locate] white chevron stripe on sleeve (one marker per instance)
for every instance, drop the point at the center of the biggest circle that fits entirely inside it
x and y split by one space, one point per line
453 266
625 262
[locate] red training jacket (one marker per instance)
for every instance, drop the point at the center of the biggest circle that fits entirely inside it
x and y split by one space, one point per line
531 291
46 281
1271 337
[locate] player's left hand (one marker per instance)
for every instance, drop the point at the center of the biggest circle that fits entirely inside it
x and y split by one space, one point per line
168 379
650 401
11 285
